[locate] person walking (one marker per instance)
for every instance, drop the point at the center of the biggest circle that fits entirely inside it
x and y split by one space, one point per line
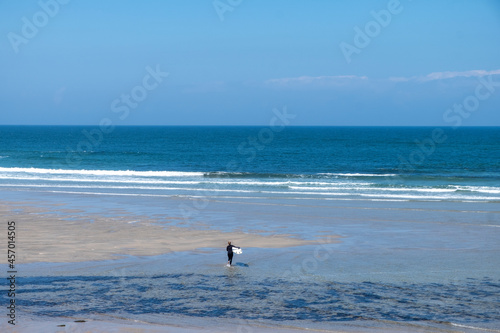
229 249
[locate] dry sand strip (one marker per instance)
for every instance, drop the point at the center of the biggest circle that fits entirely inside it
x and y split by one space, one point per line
59 235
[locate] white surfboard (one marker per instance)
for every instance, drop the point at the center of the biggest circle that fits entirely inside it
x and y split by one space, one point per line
237 251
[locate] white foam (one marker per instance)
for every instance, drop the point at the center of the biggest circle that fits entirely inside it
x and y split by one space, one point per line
210 184
427 197
308 188
480 189
475 328
382 189
155 181
103 172
283 183
186 182
121 194
102 180
207 191
410 189
202 190
359 174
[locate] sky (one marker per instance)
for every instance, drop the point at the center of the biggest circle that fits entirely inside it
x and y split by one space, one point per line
235 62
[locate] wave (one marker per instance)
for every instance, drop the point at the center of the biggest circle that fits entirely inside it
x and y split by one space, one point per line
324 185
204 174
224 174
102 180
211 192
373 188
285 184
227 174
262 176
291 195
427 197
293 185
103 172
126 188
480 189
360 174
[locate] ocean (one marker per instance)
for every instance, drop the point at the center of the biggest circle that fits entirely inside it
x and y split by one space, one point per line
324 163
417 212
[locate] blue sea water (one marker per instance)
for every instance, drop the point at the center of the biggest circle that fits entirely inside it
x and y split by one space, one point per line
351 163
417 210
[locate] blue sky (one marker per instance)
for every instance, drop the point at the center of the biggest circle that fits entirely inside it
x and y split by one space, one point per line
230 62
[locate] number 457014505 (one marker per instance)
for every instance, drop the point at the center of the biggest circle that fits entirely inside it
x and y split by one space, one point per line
11 236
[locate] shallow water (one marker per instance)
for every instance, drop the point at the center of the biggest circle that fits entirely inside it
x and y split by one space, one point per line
163 290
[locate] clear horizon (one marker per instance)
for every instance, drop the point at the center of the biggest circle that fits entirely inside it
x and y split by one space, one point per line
288 126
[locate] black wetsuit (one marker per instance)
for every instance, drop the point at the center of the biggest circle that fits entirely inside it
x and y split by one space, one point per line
229 249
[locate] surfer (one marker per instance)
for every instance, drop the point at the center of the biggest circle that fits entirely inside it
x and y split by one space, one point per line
229 249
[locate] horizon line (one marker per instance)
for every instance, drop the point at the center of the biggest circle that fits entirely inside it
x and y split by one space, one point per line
213 125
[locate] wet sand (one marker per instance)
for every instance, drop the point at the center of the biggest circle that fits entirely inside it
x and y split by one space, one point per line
63 325
64 235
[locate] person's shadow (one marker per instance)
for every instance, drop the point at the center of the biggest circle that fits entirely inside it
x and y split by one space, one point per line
240 264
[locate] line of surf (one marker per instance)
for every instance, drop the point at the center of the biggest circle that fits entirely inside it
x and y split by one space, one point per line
211 192
102 172
209 186
158 181
350 180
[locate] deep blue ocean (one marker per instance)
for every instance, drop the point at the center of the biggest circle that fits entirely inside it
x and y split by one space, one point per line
351 163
